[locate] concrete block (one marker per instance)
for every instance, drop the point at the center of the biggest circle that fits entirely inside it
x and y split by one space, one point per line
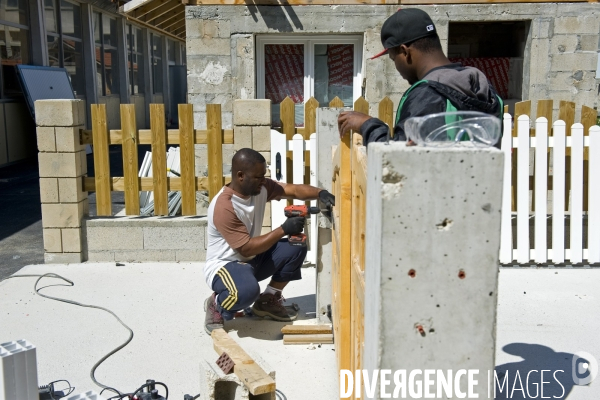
63 258
252 112
145 222
173 238
261 138
542 28
445 272
62 215
46 140
242 137
71 240
144 255
267 217
70 190
207 46
207 28
67 139
86 207
48 190
588 43
114 238
191 255
100 256
574 61
209 74
577 25
200 100
83 162
52 241
59 165
59 112
564 44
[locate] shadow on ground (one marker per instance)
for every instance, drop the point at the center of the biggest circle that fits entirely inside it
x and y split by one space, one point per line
268 329
523 379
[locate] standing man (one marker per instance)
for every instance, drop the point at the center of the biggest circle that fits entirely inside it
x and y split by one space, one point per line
238 256
410 39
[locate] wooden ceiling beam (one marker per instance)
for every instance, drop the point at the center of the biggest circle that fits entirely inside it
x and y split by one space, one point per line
166 20
149 7
176 26
163 10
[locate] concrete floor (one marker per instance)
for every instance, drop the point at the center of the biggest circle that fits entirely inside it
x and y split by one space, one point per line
545 316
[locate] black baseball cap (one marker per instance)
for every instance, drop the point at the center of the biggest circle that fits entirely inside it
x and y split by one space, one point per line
405 26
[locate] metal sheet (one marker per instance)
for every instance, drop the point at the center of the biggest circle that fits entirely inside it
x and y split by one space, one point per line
43 83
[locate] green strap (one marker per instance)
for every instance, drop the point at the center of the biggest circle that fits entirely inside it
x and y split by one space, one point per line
403 99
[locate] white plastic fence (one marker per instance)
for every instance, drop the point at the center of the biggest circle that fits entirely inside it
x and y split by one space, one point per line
298 145
558 253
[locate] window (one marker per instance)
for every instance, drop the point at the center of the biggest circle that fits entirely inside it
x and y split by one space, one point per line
107 58
172 56
157 67
302 67
63 33
135 56
14 43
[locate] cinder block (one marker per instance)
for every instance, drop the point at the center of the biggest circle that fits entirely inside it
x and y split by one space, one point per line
173 238
564 44
207 46
71 240
208 28
267 217
100 256
45 138
52 241
252 112
70 190
59 165
59 112
144 255
86 207
63 258
83 162
191 255
242 137
577 25
48 190
67 139
62 215
574 61
267 156
261 138
104 238
589 43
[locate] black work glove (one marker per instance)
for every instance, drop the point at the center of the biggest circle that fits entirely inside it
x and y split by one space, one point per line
327 198
293 225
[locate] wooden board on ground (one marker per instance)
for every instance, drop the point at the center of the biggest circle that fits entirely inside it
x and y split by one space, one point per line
251 374
305 329
321 338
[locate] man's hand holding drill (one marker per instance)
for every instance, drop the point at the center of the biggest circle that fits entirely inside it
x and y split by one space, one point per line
293 225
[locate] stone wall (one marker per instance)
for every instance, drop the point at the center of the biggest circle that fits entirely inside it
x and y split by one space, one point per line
560 57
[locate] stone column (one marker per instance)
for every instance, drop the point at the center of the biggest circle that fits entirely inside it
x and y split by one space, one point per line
431 276
62 164
252 129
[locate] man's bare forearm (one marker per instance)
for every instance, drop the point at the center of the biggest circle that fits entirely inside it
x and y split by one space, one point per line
307 192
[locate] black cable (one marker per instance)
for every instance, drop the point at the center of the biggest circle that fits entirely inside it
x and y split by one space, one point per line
111 389
280 394
145 385
52 275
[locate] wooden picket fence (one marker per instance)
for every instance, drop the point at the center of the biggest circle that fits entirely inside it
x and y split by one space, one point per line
158 137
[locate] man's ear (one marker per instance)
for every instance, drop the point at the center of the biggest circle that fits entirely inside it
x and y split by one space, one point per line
240 175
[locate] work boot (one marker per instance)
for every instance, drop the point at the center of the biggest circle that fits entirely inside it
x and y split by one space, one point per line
213 319
271 305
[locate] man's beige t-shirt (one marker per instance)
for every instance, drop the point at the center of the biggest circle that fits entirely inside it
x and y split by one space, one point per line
232 221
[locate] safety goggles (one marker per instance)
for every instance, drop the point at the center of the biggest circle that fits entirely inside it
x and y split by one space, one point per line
454 128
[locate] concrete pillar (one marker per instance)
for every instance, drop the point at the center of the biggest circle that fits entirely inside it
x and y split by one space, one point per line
62 164
327 137
252 129
431 277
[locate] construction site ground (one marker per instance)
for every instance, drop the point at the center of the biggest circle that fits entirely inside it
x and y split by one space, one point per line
544 317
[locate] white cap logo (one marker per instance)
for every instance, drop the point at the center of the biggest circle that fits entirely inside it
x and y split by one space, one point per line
429 28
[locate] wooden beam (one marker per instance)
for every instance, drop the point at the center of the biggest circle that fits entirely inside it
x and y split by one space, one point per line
305 329
176 20
176 26
179 31
251 374
290 2
117 183
169 18
319 338
150 26
145 136
161 10
147 8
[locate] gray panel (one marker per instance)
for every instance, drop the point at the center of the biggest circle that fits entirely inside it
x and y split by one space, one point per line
178 89
44 83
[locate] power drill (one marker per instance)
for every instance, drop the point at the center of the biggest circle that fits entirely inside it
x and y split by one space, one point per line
299 211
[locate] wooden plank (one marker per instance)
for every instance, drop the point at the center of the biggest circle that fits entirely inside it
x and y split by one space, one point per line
361 105
541 191
187 159
159 158
386 113
336 103
558 196
594 197
170 19
117 183
523 254
588 119
215 149
521 108
310 127
145 136
505 109
576 215
305 329
544 109
161 10
130 159
320 338
175 25
287 112
506 242
250 373
566 112
101 163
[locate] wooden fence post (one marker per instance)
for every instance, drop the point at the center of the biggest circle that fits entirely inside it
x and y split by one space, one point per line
101 163
159 158
130 139
188 159
215 149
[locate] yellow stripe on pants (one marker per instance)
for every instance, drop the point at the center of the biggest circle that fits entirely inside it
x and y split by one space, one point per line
228 282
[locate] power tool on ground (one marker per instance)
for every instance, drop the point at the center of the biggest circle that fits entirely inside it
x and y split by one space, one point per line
299 211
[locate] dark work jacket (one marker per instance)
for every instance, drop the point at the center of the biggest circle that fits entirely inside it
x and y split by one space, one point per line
467 88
